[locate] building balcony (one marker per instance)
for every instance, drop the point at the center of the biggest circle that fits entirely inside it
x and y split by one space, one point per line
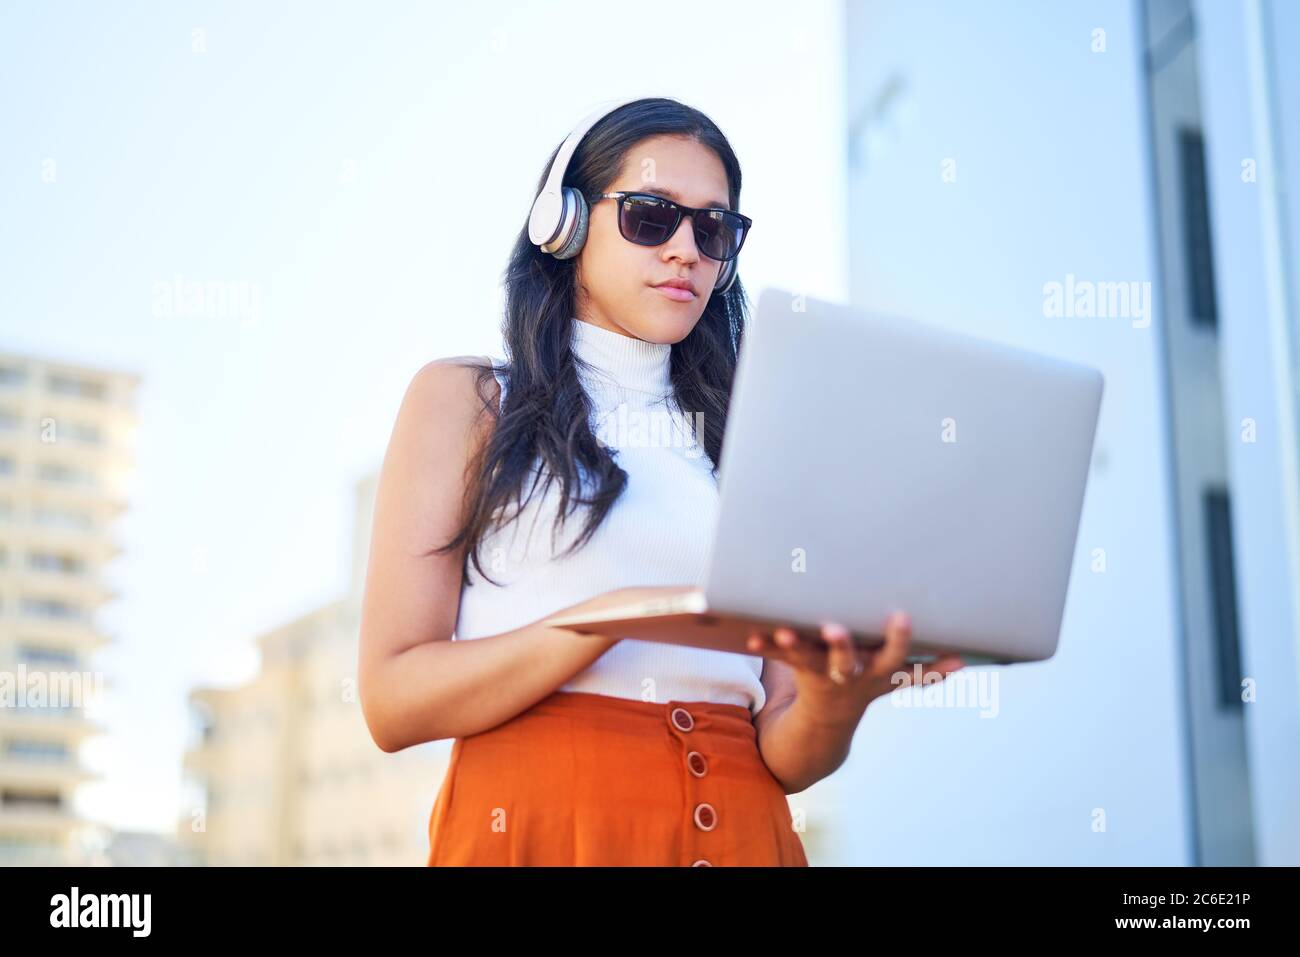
45 853
69 725
74 633
33 820
81 647
83 588
25 441
102 501
92 543
108 410
44 772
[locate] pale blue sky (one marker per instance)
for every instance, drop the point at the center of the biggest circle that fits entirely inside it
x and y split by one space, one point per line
368 166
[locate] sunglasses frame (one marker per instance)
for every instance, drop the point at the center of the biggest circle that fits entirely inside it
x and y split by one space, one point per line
681 210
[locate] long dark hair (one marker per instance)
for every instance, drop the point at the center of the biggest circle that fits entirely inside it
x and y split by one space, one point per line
546 414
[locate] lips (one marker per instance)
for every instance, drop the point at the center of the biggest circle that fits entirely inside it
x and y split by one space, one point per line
676 294
678 290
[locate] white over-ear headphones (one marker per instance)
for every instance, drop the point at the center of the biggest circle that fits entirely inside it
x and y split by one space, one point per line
558 221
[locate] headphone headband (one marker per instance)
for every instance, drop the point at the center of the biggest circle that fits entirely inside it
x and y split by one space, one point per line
542 224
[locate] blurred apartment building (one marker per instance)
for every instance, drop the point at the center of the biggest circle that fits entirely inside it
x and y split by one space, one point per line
65 436
284 771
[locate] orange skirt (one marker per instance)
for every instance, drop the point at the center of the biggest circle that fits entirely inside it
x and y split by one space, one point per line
583 779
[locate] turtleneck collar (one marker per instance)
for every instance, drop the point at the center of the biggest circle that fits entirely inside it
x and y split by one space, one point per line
630 363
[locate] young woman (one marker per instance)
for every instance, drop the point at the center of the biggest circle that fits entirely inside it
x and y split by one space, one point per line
499 506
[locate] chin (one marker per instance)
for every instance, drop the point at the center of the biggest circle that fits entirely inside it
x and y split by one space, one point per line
675 326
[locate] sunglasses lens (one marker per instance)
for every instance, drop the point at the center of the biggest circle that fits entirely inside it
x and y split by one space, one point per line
719 234
649 221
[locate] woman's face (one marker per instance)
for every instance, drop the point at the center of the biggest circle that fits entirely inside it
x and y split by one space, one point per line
616 278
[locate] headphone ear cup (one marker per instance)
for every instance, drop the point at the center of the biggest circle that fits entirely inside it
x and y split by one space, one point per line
573 245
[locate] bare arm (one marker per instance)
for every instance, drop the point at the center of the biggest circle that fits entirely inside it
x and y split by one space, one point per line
415 684
797 748
449 689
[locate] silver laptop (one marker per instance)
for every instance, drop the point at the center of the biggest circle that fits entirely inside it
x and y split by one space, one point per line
874 464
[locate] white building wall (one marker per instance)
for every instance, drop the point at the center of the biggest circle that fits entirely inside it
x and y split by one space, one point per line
993 150
1251 108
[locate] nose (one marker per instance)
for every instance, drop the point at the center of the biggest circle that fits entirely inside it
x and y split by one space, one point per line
681 245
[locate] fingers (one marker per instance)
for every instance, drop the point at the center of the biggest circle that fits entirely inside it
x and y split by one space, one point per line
840 659
801 653
843 663
898 636
786 645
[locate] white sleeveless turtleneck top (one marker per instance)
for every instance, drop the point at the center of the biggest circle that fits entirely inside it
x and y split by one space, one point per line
656 533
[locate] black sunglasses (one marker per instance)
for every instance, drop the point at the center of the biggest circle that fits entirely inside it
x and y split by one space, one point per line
649 220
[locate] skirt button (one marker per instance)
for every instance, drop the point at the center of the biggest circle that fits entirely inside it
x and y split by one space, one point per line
701 863
695 761
682 719
706 819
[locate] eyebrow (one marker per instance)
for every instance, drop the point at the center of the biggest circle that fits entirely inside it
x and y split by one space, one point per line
669 194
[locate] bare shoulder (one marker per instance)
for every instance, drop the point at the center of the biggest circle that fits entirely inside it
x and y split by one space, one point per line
448 409
458 386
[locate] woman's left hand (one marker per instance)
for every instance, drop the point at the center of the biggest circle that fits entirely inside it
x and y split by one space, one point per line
836 685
